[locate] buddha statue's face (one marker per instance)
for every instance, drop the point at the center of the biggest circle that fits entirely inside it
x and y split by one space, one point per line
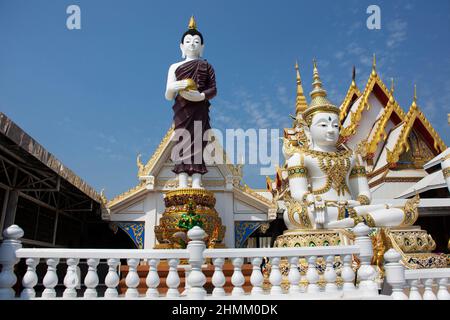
192 46
324 129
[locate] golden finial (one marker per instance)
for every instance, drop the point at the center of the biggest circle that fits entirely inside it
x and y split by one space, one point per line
374 64
192 23
103 196
392 85
353 76
300 103
415 95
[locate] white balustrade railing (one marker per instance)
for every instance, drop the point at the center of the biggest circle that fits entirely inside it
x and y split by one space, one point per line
285 281
423 284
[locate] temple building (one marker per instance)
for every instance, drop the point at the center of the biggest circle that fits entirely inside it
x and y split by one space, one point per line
402 150
241 209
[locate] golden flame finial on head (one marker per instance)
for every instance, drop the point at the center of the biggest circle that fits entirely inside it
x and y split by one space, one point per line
300 103
192 23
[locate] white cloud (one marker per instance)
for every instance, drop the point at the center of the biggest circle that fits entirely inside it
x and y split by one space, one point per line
397 33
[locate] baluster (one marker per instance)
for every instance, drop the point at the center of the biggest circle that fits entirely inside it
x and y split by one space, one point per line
218 278
414 293
8 259
132 279
303 283
330 276
187 271
30 279
395 274
196 277
294 276
51 279
257 278
237 279
275 277
152 279
112 278
312 276
442 291
366 273
429 294
347 274
173 280
71 279
91 279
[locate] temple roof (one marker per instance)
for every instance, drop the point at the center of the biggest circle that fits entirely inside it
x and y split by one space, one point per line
353 93
147 174
374 85
415 118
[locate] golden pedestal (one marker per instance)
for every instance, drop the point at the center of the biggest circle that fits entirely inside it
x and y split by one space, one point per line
176 203
311 238
415 246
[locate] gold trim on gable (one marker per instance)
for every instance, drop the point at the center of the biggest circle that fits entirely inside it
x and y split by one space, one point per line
356 115
401 145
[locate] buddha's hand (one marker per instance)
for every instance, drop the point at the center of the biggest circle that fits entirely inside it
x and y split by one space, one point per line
192 95
176 86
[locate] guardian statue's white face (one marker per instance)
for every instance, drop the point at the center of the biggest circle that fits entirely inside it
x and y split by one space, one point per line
192 46
325 129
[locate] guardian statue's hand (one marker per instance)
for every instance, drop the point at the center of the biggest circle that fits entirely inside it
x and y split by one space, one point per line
192 95
317 205
353 203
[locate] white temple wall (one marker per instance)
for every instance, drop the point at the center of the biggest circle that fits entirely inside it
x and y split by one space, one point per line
224 206
151 213
390 190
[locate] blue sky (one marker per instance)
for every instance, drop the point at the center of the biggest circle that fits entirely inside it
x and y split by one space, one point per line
95 97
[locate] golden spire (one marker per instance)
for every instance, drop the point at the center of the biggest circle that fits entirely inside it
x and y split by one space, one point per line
374 65
319 100
192 23
318 90
415 96
300 103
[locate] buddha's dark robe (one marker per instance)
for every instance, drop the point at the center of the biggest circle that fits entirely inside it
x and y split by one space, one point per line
186 112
